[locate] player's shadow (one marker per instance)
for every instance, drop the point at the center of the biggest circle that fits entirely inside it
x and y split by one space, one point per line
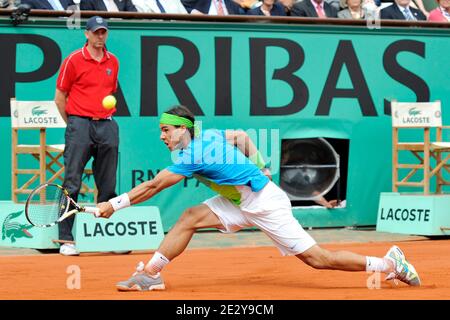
48 251
444 237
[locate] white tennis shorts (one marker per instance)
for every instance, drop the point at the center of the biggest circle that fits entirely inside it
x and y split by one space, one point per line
269 210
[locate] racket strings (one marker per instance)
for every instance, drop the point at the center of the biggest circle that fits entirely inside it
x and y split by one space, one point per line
46 205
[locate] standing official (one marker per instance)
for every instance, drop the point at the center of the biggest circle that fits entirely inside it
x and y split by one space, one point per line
86 77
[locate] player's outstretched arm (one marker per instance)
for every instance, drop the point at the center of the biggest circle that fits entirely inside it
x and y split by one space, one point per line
140 193
148 189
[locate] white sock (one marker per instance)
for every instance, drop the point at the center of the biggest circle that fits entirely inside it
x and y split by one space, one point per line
377 264
156 263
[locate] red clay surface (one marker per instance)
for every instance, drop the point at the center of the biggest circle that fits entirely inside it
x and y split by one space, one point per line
230 273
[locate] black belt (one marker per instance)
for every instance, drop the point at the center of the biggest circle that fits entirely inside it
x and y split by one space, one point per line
93 118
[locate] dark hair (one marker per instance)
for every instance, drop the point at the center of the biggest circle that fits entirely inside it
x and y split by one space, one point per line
183 112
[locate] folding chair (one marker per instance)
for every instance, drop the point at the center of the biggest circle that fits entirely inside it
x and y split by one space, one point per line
440 151
38 116
422 115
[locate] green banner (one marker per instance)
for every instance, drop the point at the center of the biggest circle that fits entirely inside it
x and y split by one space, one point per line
135 228
414 214
300 80
18 232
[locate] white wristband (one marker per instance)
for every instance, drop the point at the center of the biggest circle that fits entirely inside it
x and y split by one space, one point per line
120 202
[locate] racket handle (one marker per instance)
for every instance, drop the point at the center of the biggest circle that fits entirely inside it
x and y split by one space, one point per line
94 210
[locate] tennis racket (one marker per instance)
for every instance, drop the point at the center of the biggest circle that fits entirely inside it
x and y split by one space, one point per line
49 204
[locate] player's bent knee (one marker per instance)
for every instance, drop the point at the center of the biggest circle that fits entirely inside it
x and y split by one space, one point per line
195 218
198 217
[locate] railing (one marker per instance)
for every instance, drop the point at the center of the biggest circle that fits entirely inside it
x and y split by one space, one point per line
229 18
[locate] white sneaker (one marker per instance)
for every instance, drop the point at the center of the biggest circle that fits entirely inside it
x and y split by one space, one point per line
68 249
141 281
403 270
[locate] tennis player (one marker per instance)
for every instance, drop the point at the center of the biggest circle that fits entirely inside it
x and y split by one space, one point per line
246 198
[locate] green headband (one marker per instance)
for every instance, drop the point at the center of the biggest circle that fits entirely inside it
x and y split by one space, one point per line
175 120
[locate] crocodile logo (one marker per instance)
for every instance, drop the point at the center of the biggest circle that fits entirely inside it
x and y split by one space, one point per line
38 112
13 229
414 112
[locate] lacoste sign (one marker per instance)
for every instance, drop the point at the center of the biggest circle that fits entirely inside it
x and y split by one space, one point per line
35 114
413 214
424 114
38 116
133 228
120 229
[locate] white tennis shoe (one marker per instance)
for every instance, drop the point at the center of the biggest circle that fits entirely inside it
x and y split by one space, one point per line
141 281
68 249
403 270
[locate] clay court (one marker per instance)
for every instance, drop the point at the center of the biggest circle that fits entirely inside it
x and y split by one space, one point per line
253 272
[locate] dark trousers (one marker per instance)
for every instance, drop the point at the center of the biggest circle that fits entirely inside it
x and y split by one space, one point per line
86 138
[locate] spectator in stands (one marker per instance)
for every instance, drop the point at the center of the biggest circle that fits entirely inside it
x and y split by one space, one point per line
287 4
441 13
401 10
189 4
248 4
268 8
314 8
353 9
335 4
217 7
59 5
159 6
416 4
108 5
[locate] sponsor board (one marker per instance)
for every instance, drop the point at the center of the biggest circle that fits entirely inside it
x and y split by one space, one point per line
414 214
424 114
304 80
36 114
133 228
18 232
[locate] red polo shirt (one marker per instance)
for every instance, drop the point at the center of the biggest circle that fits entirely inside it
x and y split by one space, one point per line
87 82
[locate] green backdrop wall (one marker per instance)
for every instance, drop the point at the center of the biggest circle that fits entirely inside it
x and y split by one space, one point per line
302 80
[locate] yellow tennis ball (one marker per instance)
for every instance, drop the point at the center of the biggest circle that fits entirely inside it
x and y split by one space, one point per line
109 102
